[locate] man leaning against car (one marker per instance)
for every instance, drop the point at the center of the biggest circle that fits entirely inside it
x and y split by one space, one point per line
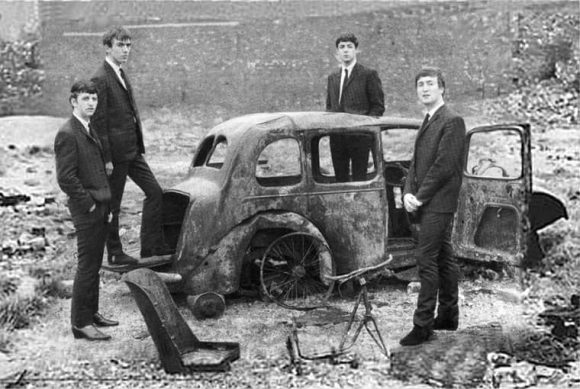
118 125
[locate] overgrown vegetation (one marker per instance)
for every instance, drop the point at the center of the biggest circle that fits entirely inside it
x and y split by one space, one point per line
21 75
545 71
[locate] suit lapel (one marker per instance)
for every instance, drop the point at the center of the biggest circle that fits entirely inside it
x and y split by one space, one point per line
128 90
112 74
431 121
80 129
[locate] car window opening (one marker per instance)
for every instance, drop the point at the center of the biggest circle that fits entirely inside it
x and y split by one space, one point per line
279 163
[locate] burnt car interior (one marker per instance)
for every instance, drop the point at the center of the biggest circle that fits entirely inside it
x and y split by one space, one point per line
345 157
279 163
398 146
212 152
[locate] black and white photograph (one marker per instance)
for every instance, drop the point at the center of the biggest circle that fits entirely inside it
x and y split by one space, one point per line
284 194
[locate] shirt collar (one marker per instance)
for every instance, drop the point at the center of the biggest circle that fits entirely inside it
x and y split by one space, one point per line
83 122
115 67
349 67
433 110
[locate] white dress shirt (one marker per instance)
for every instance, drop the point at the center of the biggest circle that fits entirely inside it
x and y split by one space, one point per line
349 68
83 122
116 68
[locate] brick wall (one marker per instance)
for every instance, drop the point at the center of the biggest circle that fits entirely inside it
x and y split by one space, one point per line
278 55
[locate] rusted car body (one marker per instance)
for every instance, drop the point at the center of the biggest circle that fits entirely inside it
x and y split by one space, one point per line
261 176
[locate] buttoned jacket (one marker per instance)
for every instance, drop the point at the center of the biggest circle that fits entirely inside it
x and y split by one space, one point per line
436 169
362 94
116 118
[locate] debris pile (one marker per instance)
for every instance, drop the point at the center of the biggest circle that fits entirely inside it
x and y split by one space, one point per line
546 71
32 225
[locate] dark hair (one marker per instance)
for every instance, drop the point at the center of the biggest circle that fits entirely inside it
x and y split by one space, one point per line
431 71
82 86
347 37
119 32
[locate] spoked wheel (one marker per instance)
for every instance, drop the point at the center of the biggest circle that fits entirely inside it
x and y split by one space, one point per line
293 270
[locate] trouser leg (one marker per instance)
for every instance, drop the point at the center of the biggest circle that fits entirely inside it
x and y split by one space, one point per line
151 229
117 182
449 279
432 232
91 232
359 152
340 157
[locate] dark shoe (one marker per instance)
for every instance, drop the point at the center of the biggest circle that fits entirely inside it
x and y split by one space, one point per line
101 321
157 251
445 324
417 336
122 259
89 332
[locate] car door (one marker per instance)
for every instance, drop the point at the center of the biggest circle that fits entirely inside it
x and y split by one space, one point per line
348 208
492 219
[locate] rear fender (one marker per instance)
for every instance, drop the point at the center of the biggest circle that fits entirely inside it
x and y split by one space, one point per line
545 208
221 269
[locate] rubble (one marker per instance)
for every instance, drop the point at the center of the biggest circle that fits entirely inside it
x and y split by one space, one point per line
9 200
413 287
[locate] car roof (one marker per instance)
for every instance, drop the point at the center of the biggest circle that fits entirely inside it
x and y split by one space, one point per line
264 122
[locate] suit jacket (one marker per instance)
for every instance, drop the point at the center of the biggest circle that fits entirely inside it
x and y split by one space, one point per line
436 169
116 118
80 167
363 92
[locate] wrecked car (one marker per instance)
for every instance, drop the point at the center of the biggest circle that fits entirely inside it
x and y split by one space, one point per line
262 201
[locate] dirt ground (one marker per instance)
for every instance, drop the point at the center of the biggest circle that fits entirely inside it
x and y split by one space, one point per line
51 357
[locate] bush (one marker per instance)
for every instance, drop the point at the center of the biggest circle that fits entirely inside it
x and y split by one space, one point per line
20 75
546 71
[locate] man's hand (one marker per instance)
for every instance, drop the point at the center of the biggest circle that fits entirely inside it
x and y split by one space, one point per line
109 217
109 168
411 203
93 207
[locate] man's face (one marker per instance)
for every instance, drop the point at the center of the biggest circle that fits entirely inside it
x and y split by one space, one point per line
119 50
346 52
429 91
84 105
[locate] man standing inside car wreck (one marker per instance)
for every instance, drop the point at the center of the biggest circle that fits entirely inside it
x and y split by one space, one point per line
118 125
353 88
431 193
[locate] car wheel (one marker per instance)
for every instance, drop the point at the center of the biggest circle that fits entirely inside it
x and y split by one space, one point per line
293 270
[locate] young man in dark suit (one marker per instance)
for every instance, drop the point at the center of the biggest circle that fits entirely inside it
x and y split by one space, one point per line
431 192
118 125
353 88
80 171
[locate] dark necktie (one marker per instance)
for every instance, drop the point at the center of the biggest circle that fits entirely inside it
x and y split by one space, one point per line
92 132
425 121
122 73
343 85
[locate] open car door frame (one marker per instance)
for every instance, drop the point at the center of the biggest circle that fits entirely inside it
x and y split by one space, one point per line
492 220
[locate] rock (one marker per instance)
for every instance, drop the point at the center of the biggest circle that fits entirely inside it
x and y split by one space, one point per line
512 295
26 287
206 305
64 288
31 182
413 287
38 243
